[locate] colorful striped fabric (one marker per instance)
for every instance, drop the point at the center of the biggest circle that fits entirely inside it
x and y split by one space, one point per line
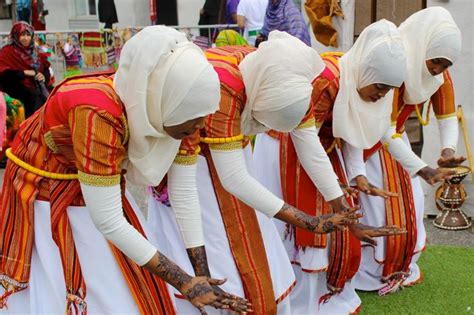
297 186
400 212
240 221
81 127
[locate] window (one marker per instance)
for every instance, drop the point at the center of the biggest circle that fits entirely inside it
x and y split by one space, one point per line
5 10
85 7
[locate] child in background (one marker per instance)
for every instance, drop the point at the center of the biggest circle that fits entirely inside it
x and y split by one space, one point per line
72 55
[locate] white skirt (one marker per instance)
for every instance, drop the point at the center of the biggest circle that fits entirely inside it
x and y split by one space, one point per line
220 259
369 277
107 290
310 264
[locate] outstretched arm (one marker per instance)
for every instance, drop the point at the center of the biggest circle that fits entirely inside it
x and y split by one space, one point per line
232 171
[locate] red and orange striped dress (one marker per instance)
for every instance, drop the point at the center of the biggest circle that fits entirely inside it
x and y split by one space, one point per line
242 230
404 210
299 190
82 129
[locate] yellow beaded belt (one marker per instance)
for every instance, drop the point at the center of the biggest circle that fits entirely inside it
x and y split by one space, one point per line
37 171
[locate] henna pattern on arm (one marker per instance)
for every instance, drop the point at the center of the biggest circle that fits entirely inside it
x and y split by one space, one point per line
170 272
198 258
291 215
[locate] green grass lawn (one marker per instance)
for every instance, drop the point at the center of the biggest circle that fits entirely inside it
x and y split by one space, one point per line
448 287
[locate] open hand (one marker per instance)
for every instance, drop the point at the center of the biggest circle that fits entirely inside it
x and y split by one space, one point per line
433 176
367 233
202 291
333 221
340 205
369 189
349 191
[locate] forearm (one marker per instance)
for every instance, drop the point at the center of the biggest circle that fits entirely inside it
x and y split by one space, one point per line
241 21
316 162
298 218
198 258
233 174
402 152
184 199
167 270
449 133
354 161
104 205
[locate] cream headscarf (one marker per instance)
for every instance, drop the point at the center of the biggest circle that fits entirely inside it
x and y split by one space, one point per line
277 78
427 34
163 80
376 57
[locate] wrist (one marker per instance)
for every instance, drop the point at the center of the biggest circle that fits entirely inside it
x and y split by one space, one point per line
184 284
198 258
447 153
337 204
423 172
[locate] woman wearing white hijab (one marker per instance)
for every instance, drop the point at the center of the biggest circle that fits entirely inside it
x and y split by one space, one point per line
433 43
351 99
261 90
86 250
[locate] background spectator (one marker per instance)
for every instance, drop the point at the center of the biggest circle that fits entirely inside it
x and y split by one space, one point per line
209 15
250 16
23 70
231 11
37 15
23 10
107 13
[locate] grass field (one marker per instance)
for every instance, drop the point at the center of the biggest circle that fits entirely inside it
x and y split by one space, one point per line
448 287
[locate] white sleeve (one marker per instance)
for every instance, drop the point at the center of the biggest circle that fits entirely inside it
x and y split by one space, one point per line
233 174
354 161
241 8
105 208
315 162
449 132
402 152
184 199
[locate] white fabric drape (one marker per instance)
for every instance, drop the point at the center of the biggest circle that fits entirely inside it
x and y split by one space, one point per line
277 80
376 57
427 34
163 80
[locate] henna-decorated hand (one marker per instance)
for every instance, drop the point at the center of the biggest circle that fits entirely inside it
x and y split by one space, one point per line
200 292
237 304
448 159
340 205
369 189
433 176
349 191
366 233
333 221
198 258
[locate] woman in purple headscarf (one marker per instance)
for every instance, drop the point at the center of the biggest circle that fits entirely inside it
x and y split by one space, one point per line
283 15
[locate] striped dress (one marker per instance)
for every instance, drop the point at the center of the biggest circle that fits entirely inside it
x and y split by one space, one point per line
324 264
80 133
238 239
397 257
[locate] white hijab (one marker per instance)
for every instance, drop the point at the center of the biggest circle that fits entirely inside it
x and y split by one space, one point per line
427 34
163 80
376 57
277 78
